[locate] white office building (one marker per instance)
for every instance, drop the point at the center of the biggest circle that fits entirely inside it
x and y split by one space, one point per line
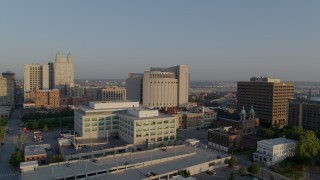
273 151
138 126
160 87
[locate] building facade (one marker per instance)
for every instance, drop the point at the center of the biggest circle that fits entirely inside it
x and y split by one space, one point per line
37 76
269 98
191 120
273 151
160 87
49 99
135 125
305 114
63 71
7 90
113 93
224 139
246 124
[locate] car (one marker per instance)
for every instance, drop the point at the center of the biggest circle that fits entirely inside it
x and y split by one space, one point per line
219 157
126 163
211 172
149 174
94 160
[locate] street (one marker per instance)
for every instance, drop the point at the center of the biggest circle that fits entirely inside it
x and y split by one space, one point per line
7 171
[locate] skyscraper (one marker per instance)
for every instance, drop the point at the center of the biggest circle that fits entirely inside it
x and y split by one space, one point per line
63 71
7 89
268 96
36 76
160 87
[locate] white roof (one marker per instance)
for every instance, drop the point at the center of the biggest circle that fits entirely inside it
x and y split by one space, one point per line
277 141
192 140
29 163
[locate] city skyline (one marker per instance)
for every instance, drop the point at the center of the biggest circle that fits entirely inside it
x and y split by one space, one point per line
227 40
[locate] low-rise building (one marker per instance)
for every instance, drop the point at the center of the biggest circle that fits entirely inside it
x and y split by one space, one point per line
272 151
224 139
245 124
49 99
35 152
113 93
135 125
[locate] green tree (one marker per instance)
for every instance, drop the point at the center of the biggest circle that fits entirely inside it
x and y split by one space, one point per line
243 171
58 158
16 158
232 176
308 147
232 162
293 132
254 169
34 125
45 128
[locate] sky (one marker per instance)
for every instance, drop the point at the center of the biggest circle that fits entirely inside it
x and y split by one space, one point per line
219 40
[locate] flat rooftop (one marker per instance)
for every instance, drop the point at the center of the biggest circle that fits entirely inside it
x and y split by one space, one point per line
277 141
102 144
189 156
33 150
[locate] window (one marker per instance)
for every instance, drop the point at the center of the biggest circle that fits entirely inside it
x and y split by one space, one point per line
146 123
86 119
159 133
138 124
159 122
166 121
172 121
101 128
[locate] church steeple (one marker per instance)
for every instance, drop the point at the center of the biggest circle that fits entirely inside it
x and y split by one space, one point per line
58 57
252 113
243 114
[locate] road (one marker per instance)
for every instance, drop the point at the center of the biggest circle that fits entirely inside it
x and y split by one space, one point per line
7 172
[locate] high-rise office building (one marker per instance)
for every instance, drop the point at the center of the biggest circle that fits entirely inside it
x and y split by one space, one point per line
36 76
304 113
63 71
268 96
160 87
50 75
7 89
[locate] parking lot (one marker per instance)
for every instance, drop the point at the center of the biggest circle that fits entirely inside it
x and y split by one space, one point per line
48 137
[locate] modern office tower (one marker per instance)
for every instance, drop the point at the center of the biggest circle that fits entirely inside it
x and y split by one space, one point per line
160 87
134 87
44 98
305 114
7 89
112 93
63 71
37 76
268 96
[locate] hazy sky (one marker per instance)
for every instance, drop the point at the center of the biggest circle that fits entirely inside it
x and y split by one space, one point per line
218 40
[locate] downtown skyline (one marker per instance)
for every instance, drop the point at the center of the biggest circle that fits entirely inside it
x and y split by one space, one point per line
227 40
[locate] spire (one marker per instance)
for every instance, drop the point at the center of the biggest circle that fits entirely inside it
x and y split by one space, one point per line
58 57
251 112
243 113
69 58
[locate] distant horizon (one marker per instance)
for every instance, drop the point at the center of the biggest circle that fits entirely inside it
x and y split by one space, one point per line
220 40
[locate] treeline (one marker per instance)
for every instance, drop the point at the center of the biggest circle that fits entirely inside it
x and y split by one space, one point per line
46 124
37 115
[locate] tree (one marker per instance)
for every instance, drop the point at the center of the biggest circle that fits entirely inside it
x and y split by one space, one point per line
293 132
34 125
308 147
232 176
254 169
45 127
16 158
232 162
243 171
